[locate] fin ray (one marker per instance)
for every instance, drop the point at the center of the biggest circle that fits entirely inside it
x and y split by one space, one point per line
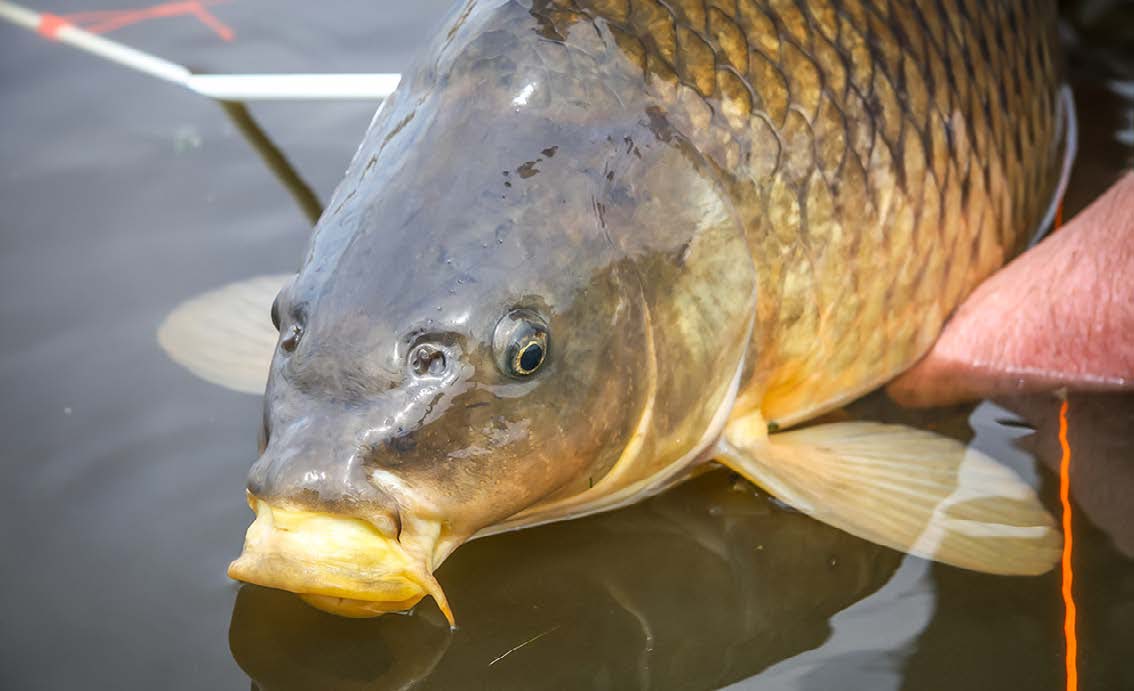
907 489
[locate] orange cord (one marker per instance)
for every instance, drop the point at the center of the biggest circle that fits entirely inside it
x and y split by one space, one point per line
50 25
104 21
1068 597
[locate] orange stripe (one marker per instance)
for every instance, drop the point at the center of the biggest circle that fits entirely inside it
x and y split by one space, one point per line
1068 597
50 25
105 21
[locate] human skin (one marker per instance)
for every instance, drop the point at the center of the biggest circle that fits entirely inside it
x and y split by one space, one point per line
1060 316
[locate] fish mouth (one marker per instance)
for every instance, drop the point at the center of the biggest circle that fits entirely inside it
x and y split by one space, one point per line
338 564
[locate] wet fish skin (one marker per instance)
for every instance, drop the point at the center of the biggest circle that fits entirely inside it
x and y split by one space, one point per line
470 198
885 157
719 209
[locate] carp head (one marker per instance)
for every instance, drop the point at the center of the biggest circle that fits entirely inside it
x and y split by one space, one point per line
529 299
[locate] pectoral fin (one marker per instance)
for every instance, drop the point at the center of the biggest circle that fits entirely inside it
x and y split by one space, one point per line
226 336
907 489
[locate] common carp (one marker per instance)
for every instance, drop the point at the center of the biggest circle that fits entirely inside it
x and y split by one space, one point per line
589 247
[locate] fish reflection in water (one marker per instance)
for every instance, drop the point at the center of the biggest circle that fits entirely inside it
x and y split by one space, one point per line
1102 468
699 587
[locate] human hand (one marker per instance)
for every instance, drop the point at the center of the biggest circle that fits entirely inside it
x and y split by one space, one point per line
1061 315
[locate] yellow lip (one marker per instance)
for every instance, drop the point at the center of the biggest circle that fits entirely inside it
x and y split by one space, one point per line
338 564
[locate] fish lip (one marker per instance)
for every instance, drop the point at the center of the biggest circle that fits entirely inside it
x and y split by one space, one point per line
388 522
337 563
356 609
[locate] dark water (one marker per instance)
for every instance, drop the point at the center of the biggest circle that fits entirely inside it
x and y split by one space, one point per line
122 494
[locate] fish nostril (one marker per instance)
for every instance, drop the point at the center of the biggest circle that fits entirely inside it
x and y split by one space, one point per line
291 341
428 360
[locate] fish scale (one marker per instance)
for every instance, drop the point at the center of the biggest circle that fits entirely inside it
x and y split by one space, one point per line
921 136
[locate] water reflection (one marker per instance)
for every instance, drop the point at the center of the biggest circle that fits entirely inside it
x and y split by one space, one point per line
1102 463
705 585
872 656
284 644
274 159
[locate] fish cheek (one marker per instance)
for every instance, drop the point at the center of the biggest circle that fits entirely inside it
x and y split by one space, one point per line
473 465
504 445
486 457
605 386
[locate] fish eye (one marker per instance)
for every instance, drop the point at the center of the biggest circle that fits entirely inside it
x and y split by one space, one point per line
427 360
521 343
276 313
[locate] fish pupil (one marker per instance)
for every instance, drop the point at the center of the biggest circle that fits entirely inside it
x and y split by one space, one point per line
531 358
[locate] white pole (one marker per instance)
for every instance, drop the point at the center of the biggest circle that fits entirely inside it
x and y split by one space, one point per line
20 16
245 87
234 87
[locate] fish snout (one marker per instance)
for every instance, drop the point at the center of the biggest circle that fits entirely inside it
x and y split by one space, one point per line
318 479
325 532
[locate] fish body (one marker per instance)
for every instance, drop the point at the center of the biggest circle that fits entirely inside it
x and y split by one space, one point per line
588 247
